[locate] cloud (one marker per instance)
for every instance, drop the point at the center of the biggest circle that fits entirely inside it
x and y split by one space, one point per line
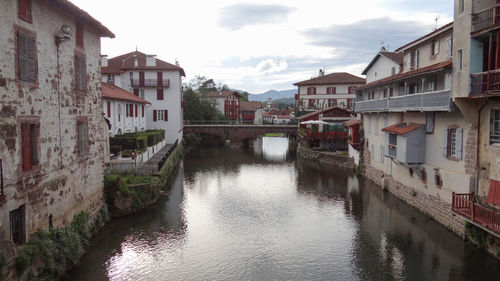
271 66
240 15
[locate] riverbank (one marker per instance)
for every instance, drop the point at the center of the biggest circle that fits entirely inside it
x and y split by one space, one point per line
338 159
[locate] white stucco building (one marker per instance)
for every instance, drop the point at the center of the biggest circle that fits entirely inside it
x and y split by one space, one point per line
226 102
155 81
125 111
334 89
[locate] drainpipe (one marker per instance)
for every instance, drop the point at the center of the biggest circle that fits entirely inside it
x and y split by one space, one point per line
478 141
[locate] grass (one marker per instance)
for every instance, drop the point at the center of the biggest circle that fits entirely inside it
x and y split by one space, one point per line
273 135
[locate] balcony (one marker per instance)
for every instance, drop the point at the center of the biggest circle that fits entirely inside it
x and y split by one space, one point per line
429 101
485 83
165 83
463 204
485 19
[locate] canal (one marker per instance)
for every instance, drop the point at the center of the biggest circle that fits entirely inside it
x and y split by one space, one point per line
261 214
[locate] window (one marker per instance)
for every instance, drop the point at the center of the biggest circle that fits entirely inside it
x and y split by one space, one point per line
435 48
80 73
83 141
136 91
24 10
79 35
311 90
391 92
332 102
393 70
159 94
423 175
131 75
449 46
429 124
111 79
131 110
385 93
26 57
414 59
17 219
495 127
438 180
136 110
331 90
461 6
453 143
160 115
459 57
382 158
30 146
349 90
141 93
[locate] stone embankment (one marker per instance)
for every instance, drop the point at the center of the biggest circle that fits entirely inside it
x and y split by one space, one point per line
338 159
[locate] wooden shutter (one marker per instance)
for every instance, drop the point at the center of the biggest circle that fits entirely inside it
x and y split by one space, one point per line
26 57
80 68
79 34
314 90
165 116
445 142
131 109
26 143
109 109
24 11
154 115
142 110
141 78
334 90
159 76
348 103
136 110
159 94
459 142
494 193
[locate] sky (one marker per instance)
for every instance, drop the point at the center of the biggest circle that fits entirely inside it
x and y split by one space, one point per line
261 45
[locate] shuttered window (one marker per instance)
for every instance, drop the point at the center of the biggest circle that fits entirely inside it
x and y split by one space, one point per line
453 139
29 140
80 76
495 127
17 219
159 94
79 35
165 115
83 142
154 115
26 57
494 193
24 10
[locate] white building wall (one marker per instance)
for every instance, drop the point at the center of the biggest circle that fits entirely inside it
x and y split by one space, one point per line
125 124
382 68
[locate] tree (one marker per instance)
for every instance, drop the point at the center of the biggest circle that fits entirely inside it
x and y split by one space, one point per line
197 109
201 84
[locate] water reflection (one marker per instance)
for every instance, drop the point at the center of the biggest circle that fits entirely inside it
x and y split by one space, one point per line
241 215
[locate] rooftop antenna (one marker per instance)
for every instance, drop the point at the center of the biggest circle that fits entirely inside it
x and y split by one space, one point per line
136 48
436 20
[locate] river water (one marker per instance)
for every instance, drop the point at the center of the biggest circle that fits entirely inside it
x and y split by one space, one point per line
261 214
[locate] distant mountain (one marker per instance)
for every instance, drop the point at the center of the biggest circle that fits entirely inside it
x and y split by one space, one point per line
287 101
272 94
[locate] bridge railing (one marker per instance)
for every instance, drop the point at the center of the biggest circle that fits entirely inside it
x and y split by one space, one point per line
232 122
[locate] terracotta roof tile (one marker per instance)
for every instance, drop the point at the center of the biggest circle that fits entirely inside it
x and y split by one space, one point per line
111 91
402 128
126 62
427 36
83 16
250 105
322 111
333 78
283 117
352 122
403 75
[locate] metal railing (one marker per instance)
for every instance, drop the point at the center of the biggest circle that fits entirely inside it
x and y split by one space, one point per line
463 204
485 82
436 100
486 18
150 83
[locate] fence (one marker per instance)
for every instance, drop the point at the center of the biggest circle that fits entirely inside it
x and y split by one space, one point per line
463 204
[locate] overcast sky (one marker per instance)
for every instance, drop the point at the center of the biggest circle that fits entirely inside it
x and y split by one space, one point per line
261 45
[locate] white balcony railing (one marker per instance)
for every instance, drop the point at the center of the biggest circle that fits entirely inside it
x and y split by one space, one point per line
429 101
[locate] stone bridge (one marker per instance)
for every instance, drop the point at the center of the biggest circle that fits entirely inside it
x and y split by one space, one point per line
239 132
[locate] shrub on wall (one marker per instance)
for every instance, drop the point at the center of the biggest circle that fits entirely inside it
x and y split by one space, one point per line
139 141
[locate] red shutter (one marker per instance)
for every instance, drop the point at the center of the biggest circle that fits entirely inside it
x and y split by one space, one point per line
143 110
136 92
109 109
159 76
154 115
131 110
24 11
141 78
79 34
166 115
26 142
136 111
494 193
334 90
349 90
159 94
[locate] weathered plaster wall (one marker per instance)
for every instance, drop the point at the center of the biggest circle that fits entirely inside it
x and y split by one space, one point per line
489 155
65 183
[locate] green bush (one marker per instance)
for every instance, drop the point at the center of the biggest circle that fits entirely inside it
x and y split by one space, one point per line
138 141
191 139
114 149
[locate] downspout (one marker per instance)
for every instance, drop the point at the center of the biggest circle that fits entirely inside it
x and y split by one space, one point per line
59 104
478 141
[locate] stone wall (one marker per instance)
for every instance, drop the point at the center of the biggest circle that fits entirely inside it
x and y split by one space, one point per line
329 158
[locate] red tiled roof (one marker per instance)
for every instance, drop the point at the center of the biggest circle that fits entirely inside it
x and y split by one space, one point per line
352 122
333 78
83 16
283 117
221 94
111 91
427 36
402 128
400 76
126 62
322 111
250 105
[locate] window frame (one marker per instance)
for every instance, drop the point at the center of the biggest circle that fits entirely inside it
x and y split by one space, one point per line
494 133
21 212
80 65
32 35
86 142
34 123
79 35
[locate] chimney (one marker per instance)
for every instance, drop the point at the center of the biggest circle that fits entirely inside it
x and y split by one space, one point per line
136 62
321 72
150 60
177 63
104 60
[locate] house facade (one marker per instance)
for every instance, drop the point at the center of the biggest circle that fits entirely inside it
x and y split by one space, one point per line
251 112
155 81
52 129
125 111
330 90
227 103
415 137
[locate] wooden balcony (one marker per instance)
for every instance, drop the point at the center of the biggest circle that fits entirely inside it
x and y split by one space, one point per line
463 205
429 101
485 83
332 135
486 19
165 83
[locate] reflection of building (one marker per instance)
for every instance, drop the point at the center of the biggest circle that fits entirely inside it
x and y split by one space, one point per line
124 110
325 128
353 138
331 90
251 112
53 134
227 103
154 80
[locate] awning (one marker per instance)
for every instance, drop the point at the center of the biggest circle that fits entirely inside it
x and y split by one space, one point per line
314 122
402 128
